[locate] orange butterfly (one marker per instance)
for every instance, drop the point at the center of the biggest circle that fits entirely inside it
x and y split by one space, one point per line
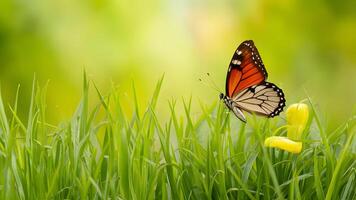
246 86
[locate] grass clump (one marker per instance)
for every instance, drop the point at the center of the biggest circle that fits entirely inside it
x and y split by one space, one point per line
101 153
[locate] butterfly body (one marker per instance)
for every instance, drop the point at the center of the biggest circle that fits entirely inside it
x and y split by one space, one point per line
246 85
233 107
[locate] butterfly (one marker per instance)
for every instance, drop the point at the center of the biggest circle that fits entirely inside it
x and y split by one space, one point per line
246 85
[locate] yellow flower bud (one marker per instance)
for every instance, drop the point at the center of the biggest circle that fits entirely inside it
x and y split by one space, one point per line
297 118
284 144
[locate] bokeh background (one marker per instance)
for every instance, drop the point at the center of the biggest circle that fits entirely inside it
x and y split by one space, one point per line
308 47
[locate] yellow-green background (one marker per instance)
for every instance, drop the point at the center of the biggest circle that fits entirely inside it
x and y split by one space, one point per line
307 46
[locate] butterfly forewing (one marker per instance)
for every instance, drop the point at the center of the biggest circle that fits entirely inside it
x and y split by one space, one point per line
264 99
246 69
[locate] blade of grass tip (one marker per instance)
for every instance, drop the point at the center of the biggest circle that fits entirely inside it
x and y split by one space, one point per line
177 127
92 115
323 135
41 102
119 112
153 103
3 118
103 103
84 110
15 105
18 120
30 114
156 92
12 139
335 177
187 107
136 116
101 97
336 133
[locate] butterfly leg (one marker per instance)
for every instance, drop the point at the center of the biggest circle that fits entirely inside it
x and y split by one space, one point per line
238 113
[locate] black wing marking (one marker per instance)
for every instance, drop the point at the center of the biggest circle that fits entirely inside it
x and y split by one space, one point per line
264 99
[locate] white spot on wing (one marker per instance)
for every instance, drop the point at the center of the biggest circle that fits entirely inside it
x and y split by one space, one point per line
236 62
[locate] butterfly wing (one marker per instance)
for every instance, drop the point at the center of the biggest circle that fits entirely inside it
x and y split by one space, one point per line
246 69
246 84
264 99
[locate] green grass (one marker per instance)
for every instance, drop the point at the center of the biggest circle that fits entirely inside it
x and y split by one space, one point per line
101 153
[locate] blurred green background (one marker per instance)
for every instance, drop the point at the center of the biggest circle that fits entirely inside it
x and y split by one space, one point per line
307 46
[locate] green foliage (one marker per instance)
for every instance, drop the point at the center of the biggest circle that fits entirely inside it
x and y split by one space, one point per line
101 153
305 46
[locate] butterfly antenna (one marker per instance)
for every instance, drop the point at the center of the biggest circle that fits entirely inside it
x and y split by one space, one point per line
203 81
212 82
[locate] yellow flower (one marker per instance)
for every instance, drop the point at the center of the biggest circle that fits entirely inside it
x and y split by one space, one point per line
297 118
284 144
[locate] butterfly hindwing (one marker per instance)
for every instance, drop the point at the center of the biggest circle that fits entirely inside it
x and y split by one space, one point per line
265 99
246 69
